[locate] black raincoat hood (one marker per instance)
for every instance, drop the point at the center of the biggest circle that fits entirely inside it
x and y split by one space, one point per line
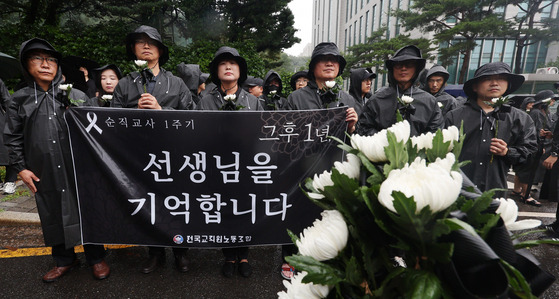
410 52
228 53
190 74
97 74
33 44
269 76
490 69
297 75
544 97
324 49
357 76
151 33
437 70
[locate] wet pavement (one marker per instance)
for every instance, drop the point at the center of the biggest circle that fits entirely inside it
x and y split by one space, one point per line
21 276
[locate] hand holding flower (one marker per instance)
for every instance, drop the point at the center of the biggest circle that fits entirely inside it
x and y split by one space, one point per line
147 101
498 147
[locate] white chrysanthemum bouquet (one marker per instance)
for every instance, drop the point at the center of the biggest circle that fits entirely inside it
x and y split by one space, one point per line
394 225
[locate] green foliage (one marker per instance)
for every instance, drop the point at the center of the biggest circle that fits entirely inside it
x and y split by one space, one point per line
378 49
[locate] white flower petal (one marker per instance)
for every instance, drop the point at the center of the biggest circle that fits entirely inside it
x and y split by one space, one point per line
330 84
524 224
141 63
326 238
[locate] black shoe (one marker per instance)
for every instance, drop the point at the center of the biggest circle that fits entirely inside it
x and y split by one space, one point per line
151 264
181 262
552 229
245 269
228 269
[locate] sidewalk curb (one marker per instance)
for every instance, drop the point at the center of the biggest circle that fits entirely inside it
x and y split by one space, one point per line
18 218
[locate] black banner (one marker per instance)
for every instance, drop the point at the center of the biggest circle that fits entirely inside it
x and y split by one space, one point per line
198 178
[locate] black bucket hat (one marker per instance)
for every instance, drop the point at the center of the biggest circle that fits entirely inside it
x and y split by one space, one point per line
151 33
228 53
98 71
324 49
490 69
297 75
37 44
544 97
410 52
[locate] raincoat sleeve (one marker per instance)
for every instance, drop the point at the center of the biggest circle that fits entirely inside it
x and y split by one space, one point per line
367 123
4 97
13 134
118 96
527 143
185 100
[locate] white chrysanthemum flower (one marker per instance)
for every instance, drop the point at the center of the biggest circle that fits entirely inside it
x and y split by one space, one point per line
407 99
273 92
373 146
494 100
230 97
65 87
326 238
141 63
330 84
546 100
440 104
451 134
509 212
434 185
107 97
351 167
423 141
322 180
298 290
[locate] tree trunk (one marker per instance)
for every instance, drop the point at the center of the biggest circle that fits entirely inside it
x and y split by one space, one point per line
518 56
465 66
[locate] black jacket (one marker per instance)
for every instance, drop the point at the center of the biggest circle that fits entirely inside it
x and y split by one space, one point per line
356 80
273 101
310 97
515 127
37 139
4 103
244 101
170 92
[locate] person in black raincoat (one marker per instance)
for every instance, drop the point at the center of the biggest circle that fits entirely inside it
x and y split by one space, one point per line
106 79
496 137
272 94
194 79
360 86
153 88
299 80
230 86
255 86
435 81
9 182
423 114
165 91
37 139
228 71
325 66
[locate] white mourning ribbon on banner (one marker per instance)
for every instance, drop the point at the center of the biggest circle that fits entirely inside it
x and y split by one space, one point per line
92 118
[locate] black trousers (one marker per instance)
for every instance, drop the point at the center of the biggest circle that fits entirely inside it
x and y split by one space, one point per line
234 254
65 256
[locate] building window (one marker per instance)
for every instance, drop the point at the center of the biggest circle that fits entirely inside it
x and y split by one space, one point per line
522 8
487 50
366 25
355 32
345 41
498 50
349 41
380 13
346 11
361 4
360 28
356 6
546 11
373 20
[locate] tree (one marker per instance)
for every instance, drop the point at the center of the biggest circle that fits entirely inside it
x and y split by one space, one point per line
456 23
527 30
378 49
268 22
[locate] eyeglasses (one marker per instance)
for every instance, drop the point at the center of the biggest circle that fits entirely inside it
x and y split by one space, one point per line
302 81
38 60
143 42
407 64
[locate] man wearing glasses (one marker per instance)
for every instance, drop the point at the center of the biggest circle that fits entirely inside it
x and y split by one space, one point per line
423 112
37 140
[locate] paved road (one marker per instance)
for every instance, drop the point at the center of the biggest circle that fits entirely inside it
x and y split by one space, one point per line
20 277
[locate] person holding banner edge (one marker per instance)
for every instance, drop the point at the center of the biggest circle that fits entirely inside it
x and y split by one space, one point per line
325 66
228 70
38 145
162 90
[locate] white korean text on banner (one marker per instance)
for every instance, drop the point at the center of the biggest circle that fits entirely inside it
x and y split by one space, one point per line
198 178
